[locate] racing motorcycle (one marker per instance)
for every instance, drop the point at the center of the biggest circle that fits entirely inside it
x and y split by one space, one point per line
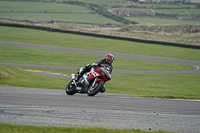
91 82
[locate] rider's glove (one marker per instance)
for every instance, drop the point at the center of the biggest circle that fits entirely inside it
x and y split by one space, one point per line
101 65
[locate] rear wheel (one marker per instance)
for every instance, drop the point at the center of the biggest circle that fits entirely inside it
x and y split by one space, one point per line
95 89
71 88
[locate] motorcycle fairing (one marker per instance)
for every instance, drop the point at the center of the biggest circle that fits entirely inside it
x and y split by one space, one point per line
90 75
105 73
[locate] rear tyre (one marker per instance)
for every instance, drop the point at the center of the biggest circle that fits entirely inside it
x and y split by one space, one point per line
71 88
97 88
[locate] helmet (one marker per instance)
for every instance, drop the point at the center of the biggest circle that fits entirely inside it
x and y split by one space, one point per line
109 58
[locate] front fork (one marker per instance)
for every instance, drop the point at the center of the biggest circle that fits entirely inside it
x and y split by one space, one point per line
94 82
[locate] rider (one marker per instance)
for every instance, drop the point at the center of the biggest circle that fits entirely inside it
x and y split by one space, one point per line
109 58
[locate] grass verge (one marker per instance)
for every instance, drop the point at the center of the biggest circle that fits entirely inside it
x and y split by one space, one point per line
6 73
11 128
33 80
148 85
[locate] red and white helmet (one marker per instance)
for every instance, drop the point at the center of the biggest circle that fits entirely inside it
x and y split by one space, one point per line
109 58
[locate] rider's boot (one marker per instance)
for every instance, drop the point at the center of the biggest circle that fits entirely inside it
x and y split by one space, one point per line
79 75
86 69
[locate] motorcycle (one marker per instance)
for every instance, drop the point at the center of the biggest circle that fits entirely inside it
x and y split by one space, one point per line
91 82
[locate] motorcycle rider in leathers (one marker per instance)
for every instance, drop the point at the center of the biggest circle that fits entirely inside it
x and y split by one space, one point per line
109 58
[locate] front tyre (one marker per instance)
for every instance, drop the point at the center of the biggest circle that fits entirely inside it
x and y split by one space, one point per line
97 88
71 88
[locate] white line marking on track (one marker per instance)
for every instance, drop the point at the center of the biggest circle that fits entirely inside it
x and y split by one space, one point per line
191 100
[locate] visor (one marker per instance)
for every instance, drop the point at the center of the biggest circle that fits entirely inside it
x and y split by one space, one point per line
110 61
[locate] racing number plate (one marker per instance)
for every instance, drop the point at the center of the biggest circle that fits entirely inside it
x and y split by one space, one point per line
78 88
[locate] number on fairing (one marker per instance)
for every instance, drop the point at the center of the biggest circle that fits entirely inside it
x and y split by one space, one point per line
78 88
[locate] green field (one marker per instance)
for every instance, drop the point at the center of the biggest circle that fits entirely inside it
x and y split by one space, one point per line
153 85
153 20
166 5
73 12
95 18
41 7
178 11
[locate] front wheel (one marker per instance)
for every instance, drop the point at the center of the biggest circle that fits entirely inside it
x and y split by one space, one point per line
97 88
71 88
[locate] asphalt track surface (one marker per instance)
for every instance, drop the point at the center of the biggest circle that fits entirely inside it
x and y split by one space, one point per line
32 106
